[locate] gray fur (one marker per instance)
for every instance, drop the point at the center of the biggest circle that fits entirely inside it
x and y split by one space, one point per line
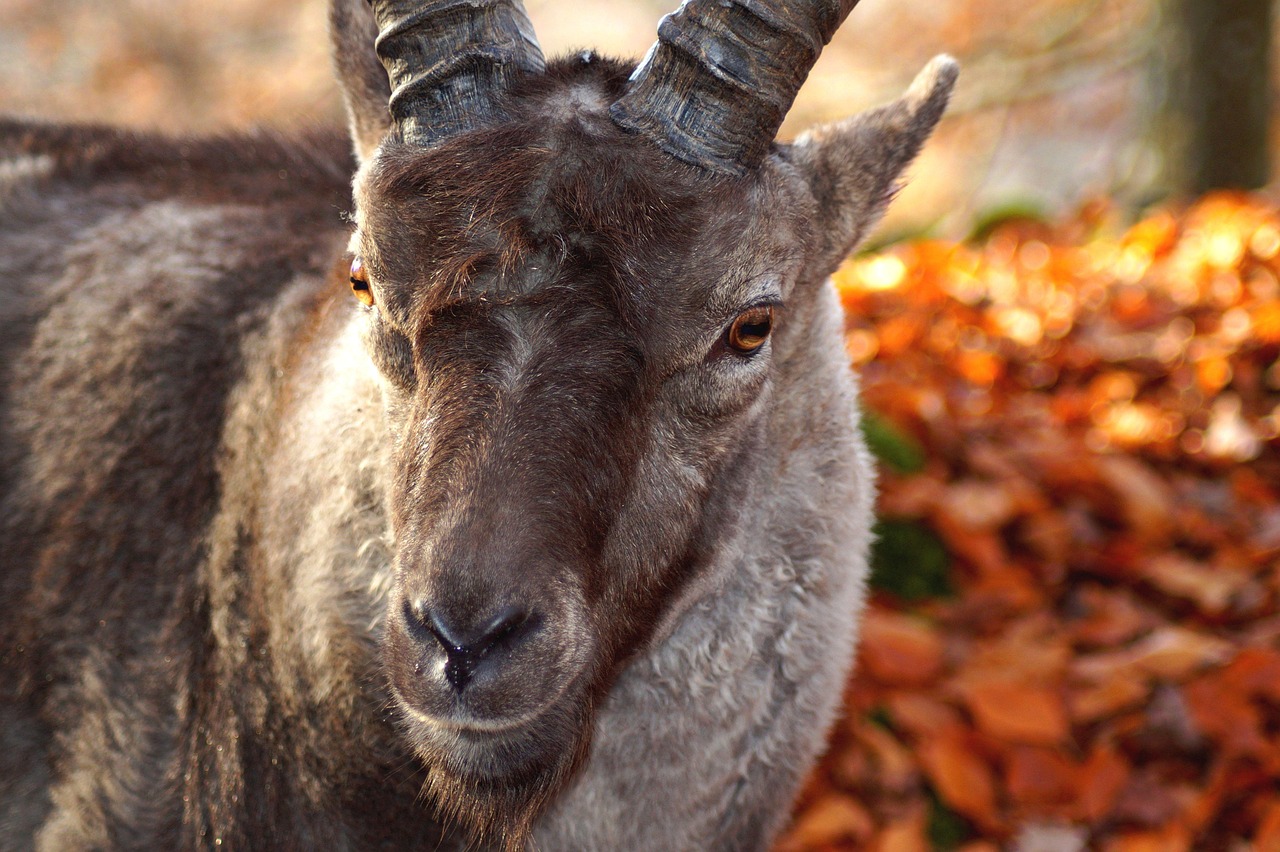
208 528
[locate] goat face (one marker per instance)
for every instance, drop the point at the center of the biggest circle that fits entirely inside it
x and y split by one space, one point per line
582 296
576 338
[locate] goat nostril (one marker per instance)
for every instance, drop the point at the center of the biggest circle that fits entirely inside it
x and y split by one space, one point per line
417 617
449 637
502 626
415 612
466 647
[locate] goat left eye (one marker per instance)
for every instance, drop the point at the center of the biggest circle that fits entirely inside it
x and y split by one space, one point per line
750 330
360 283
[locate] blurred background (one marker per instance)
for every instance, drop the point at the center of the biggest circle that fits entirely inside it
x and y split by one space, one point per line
1059 100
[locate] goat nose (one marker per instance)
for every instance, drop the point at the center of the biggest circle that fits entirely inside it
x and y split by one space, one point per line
467 646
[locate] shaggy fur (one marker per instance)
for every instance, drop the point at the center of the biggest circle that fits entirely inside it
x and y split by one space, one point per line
234 502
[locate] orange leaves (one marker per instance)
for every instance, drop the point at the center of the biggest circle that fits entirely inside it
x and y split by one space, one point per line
1016 713
831 819
1169 653
898 650
1146 501
1092 702
979 367
1228 705
1227 717
1268 836
1039 778
960 775
1210 587
1102 778
1265 319
1172 839
1099 421
1193 301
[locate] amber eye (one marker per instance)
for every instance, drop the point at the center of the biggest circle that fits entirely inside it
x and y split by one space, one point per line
750 330
360 283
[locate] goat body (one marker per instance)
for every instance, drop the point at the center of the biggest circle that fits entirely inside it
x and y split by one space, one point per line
240 512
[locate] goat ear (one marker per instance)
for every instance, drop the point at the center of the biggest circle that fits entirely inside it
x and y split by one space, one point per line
853 167
365 88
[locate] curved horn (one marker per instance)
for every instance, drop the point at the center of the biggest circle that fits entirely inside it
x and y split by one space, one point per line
714 88
449 61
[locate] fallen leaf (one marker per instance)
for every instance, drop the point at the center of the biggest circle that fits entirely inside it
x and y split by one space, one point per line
1081 397
831 819
1092 702
1110 618
921 714
1210 588
1032 650
1040 779
899 649
1169 652
1227 715
1009 587
1146 501
1101 779
1172 839
1208 800
1255 672
1268 834
983 549
1050 837
1015 712
906 835
977 506
892 764
1146 800
963 779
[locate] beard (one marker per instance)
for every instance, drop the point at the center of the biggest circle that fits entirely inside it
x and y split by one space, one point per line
495 785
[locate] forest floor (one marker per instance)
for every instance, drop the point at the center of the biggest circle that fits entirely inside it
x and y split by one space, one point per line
1073 640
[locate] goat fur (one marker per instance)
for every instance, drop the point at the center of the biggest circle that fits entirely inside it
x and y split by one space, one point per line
195 558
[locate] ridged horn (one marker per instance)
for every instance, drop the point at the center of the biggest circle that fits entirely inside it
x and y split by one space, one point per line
449 61
714 88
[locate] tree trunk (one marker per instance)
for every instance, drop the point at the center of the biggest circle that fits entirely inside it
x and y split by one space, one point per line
1216 68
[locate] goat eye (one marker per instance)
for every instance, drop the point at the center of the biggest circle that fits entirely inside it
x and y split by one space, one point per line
750 330
360 283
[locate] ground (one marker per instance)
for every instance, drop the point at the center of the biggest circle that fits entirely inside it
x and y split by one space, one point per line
1075 639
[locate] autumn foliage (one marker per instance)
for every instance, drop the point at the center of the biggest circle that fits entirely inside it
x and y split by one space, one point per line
1074 639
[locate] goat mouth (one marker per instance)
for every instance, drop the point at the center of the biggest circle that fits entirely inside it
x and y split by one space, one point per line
461 721
475 752
476 727
495 785
488 752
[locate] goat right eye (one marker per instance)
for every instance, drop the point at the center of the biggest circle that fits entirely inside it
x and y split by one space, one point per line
360 283
750 330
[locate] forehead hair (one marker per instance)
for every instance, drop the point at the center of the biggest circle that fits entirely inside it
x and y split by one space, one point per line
556 189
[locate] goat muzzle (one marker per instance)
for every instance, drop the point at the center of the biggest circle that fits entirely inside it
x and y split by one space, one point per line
483 665
470 646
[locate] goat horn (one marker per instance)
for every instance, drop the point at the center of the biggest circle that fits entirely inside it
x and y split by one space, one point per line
715 86
450 60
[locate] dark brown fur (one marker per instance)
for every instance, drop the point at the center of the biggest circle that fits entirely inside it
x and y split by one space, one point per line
112 482
219 510
131 562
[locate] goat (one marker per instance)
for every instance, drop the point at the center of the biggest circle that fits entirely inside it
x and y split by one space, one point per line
554 535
